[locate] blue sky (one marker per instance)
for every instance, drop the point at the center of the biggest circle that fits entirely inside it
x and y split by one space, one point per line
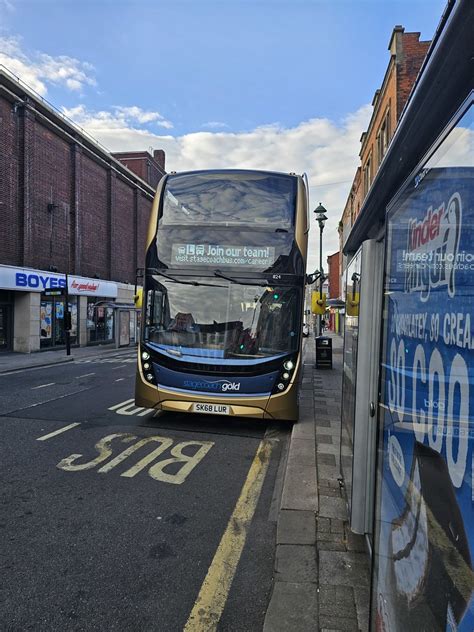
278 84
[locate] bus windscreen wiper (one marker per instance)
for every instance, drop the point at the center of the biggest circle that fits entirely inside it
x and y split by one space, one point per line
172 278
219 274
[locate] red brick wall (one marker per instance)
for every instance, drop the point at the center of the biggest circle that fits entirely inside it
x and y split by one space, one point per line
142 228
123 250
94 219
410 59
333 267
137 165
50 183
10 220
143 165
99 219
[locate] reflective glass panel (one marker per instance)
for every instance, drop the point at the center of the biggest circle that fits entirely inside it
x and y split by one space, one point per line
229 199
424 544
222 319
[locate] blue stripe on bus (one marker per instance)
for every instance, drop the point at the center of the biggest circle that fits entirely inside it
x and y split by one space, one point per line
242 385
216 394
210 356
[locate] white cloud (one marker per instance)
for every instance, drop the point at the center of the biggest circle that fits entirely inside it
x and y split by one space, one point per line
38 70
215 125
325 150
135 113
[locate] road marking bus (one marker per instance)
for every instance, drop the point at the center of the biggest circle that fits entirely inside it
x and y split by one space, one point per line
158 467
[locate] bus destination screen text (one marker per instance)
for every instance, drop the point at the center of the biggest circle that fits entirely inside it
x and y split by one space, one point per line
215 254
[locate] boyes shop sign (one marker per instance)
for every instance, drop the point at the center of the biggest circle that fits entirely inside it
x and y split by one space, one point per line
28 280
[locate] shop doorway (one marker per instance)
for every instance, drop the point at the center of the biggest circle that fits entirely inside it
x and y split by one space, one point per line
100 322
52 331
6 322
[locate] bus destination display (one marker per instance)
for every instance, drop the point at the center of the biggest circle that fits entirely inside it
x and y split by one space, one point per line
217 254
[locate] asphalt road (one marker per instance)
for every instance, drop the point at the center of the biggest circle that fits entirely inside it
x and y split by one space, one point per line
114 522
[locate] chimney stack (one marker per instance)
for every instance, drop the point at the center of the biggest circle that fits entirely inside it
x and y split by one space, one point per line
159 156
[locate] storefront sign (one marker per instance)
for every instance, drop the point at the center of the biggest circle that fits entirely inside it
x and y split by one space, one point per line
28 280
92 287
425 550
216 254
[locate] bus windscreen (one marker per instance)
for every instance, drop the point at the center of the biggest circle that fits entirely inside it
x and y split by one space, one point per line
223 320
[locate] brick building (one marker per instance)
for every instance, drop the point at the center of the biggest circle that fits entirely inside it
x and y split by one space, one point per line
144 165
333 267
67 206
407 54
333 290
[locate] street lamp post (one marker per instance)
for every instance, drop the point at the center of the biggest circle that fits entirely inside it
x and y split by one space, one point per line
321 218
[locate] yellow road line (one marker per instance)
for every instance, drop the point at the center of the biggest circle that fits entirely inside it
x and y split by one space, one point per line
56 432
212 597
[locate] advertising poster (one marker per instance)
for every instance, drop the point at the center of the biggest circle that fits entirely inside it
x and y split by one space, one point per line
59 310
90 316
424 547
46 320
124 331
73 310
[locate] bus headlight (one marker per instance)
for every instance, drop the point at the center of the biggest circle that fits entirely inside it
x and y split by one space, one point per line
281 386
145 355
286 376
288 365
146 366
149 377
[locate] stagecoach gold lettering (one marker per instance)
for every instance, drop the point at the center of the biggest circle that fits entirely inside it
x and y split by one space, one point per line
186 462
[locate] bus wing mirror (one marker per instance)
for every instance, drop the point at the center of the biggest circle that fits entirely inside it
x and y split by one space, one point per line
312 278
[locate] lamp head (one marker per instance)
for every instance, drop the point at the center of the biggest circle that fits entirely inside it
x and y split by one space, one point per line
320 213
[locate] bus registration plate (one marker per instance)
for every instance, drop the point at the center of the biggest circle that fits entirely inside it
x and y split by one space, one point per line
212 409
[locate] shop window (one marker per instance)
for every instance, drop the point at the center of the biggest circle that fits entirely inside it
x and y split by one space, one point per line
100 321
6 320
52 311
351 340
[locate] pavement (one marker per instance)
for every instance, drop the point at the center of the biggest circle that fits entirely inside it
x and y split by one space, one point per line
321 577
11 361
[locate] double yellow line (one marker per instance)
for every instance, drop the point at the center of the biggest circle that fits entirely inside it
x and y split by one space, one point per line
212 597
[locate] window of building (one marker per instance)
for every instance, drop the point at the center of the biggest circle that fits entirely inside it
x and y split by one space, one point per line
367 175
6 320
52 321
383 137
100 321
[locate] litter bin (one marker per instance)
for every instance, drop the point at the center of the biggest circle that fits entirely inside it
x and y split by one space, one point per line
323 352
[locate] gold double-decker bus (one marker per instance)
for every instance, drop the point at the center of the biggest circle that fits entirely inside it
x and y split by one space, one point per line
223 291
